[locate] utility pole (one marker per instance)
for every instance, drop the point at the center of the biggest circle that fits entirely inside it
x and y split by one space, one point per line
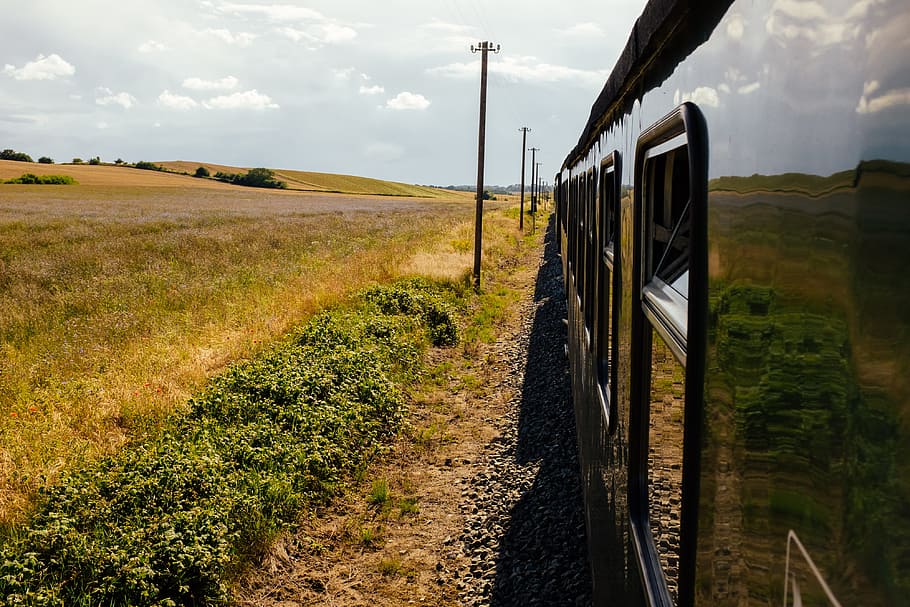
533 168
521 216
539 181
484 48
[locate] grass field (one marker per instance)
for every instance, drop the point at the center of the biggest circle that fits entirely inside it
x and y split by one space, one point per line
118 302
111 175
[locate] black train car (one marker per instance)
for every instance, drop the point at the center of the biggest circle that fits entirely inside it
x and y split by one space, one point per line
734 226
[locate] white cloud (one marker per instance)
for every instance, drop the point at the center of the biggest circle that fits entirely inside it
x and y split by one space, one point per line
241 39
108 97
152 46
176 102
42 68
736 27
408 101
582 30
524 69
251 100
319 35
273 12
371 90
335 34
441 36
344 73
810 21
102 125
703 95
749 88
890 99
723 87
870 87
198 84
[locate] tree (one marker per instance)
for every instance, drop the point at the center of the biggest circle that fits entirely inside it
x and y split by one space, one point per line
77 161
95 160
45 160
119 161
9 154
202 172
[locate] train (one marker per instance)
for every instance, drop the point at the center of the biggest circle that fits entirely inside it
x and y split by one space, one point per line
734 232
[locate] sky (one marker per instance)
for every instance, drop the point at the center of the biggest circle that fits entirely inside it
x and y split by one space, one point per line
384 89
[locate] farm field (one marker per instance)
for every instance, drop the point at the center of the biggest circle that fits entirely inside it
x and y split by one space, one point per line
112 175
119 301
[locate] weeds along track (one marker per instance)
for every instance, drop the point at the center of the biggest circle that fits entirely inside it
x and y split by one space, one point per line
171 519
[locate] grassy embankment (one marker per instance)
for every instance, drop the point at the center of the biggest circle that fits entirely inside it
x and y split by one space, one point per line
170 517
119 301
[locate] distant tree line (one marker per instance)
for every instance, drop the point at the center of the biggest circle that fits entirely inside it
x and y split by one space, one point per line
255 178
9 154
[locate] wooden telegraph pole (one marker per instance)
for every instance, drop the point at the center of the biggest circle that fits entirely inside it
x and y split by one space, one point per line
484 48
521 216
533 181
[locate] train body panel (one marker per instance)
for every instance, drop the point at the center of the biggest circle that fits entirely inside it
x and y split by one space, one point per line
739 309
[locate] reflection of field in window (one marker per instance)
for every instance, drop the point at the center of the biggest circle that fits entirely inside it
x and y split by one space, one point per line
665 456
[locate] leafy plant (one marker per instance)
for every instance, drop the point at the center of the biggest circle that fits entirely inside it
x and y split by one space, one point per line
170 520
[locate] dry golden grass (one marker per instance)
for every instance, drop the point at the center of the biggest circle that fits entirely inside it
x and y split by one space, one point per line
116 303
327 182
123 176
105 175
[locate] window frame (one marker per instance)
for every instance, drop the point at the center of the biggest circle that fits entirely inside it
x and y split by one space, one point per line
608 245
649 313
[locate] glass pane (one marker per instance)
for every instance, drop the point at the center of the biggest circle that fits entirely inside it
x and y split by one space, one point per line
665 456
604 317
804 585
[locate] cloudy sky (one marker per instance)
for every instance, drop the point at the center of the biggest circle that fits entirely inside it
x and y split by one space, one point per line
383 89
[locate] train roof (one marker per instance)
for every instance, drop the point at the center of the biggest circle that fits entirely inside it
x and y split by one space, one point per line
666 33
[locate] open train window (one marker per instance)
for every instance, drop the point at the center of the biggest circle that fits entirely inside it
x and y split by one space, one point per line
607 313
668 348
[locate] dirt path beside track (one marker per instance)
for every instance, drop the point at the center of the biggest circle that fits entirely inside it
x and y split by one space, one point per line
484 498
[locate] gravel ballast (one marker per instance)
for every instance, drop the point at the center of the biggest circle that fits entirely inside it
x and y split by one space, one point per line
524 532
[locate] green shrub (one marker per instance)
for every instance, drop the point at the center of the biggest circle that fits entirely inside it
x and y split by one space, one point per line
171 520
45 160
148 166
31 178
202 172
255 178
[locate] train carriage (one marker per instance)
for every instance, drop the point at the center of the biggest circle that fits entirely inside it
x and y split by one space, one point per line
734 227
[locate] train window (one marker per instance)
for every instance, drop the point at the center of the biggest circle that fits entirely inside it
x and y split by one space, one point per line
591 253
580 270
605 320
570 231
668 345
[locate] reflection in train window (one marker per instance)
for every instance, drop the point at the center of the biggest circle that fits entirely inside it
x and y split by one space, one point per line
665 457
